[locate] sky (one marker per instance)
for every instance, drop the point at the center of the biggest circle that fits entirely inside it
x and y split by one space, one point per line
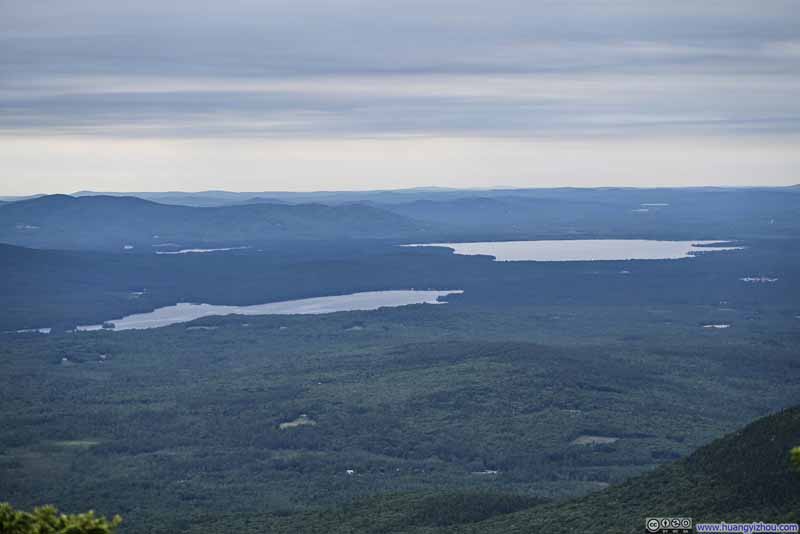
250 95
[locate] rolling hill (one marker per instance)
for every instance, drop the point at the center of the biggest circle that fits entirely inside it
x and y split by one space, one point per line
472 215
110 222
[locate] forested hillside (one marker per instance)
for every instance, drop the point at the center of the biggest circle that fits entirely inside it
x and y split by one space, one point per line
745 476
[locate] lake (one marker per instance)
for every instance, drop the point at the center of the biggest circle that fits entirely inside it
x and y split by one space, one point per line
370 300
583 249
199 250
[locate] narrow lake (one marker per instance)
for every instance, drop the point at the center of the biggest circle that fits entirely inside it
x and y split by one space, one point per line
370 300
199 250
584 249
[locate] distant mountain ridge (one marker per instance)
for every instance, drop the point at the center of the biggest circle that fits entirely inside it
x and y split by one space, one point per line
214 198
230 219
63 221
395 196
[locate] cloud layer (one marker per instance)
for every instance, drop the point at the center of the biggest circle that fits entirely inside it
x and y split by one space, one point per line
377 71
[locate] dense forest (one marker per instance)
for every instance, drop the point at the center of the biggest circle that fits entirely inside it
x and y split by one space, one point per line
742 476
270 414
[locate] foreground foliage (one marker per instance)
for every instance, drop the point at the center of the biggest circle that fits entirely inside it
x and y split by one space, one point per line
47 520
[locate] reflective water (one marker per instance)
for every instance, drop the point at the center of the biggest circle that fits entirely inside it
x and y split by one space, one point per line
370 300
583 249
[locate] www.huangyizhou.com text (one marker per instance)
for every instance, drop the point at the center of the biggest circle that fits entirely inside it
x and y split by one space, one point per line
747 528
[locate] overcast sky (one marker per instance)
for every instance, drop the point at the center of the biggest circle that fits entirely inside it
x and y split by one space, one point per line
333 94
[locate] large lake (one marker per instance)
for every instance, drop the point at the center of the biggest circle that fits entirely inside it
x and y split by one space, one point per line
583 249
370 300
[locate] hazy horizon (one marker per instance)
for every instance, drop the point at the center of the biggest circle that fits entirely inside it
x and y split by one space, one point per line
430 188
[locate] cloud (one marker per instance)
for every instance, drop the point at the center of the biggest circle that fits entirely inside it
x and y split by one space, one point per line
366 106
392 68
357 70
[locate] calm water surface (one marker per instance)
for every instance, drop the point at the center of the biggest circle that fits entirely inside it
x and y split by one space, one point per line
199 250
583 249
371 300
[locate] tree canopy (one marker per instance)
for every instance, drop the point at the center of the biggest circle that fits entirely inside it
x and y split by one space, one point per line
47 520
